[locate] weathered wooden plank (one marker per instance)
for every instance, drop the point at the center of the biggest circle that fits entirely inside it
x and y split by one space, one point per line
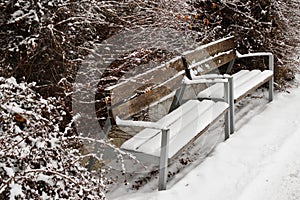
137 93
160 74
255 87
199 134
206 51
122 91
213 63
143 101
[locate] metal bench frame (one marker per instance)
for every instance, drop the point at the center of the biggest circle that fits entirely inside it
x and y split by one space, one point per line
165 131
229 68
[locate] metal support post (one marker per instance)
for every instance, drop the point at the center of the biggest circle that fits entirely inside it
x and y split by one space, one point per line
271 89
227 115
163 163
231 104
229 68
271 82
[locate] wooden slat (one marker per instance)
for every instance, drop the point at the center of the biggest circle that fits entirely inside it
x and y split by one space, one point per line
127 98
152 78
144 158
214 62
210 49
142 101
162 73
264 78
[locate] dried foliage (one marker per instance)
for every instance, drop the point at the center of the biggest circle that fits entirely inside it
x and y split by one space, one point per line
44 41
38 158
264 25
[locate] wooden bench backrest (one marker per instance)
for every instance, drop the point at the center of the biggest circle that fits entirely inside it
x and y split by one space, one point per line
209 57
132 96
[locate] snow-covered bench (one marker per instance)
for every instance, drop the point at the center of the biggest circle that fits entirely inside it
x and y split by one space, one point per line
244 81
160 141
163 140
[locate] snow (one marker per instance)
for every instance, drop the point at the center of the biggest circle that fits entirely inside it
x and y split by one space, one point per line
243 80
13 107
17 13
17 129
45 178
259 161
15 191
12 81
183 126
9 171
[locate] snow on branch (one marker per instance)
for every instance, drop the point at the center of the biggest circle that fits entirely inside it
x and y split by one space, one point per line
36 151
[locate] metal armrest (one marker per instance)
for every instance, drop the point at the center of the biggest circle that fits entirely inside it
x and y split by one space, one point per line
269 54
227 80
239 55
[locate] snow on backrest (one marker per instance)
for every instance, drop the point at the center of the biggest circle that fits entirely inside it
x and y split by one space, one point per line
141 91
211 56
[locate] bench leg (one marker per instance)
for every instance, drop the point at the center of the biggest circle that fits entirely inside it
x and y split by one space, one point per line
271 82
231 104
271 89
231 121
163 162
227 125
227 114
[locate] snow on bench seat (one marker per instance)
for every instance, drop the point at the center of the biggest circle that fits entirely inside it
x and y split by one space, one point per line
244 82
185 124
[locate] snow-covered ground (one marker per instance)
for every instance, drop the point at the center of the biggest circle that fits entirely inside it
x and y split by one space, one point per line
260 161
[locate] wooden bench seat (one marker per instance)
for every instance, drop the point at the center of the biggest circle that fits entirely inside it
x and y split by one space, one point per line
244 82
166 138
184 119
185 123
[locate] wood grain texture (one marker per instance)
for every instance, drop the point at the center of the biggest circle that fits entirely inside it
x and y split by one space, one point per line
139 92
210 50
135 85
214 63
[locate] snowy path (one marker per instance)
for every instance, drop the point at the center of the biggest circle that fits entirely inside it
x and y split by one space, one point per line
260 161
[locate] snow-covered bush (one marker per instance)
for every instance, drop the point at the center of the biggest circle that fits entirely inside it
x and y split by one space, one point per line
258 25
45 41
38 157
